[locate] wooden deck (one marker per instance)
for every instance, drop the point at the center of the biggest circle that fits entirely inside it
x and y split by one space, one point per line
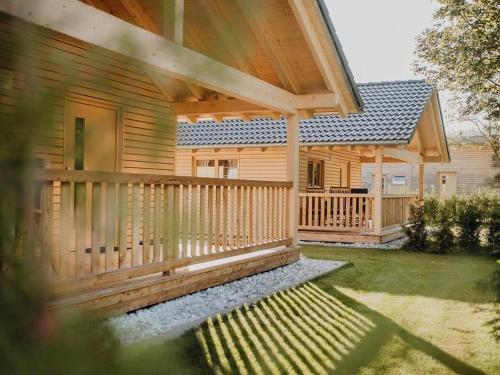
344 217
114 242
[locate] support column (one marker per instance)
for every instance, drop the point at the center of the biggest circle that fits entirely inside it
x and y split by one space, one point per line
421 181
292 174
377 191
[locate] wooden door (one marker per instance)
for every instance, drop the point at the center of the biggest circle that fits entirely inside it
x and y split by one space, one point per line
90 137
447 183
91 144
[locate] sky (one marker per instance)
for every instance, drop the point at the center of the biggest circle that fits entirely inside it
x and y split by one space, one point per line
378 39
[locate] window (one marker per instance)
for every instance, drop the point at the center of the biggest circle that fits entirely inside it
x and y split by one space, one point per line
443 180
399 180
228 169
79 143
217 168
205 168
315 173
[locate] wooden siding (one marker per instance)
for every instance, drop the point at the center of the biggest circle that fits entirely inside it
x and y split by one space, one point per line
333 163
269 163
53 67
474 167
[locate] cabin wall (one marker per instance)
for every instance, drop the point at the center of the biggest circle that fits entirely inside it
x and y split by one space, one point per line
333 162
256 163
48 68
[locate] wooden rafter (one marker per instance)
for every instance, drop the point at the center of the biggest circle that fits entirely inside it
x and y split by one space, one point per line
99 4
173 20
270 44
140 16
228 37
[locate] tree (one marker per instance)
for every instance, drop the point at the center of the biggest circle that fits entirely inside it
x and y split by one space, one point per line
460 52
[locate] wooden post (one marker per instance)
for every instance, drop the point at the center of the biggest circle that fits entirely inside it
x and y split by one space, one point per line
421 181
292 174
377 191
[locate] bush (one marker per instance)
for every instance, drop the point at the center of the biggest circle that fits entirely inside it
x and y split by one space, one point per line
415 229
443 236
469 222
492 223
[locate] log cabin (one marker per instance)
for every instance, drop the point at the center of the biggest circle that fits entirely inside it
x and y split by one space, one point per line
401 122
91 91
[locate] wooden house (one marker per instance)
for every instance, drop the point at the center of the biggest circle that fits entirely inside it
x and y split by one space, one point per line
401 122
93 90
471 170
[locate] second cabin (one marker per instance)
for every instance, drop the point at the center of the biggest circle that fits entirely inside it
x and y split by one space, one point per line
401 122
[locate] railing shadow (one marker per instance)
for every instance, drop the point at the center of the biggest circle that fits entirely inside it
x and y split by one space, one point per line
306 330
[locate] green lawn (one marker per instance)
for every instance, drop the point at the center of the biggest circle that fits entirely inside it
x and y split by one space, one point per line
388 312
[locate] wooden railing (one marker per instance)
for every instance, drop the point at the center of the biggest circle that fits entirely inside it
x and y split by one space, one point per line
93 228
336 211
395 209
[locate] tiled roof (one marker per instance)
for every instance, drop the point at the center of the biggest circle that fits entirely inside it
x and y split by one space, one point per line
391 113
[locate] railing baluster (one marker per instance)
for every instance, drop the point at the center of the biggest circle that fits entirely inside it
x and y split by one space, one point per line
135 260
96 226
225 197
110 225
203 220
122 226
232 223
80 224
157 223
146 224
210 220
176 219
218 213
194 220
238 192
185 220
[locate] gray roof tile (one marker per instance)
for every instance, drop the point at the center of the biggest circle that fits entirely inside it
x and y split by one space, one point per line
391 113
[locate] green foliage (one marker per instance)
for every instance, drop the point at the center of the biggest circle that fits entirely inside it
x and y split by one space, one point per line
460 53
443 236
493 223
415 229
469 222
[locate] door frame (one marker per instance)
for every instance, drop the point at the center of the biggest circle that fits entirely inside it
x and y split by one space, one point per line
76 98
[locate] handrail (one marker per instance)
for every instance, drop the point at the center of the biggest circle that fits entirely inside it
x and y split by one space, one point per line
337 195
65 175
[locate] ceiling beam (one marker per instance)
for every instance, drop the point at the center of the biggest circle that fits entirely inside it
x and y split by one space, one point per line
306 104
106 31
214 107
403 155
270 44
302 10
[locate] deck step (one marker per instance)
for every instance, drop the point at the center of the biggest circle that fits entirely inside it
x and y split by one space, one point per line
130 295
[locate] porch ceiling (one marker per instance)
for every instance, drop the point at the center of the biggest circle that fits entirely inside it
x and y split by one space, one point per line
278 52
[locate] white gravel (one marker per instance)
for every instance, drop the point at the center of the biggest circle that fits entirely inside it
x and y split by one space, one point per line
391 245
174 317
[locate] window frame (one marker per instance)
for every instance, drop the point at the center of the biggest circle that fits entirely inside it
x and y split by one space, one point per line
321 164
395 178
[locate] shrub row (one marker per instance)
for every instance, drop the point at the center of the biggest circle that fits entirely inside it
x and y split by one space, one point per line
470 223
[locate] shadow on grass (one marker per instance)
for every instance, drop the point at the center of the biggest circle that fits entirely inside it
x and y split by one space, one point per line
306 330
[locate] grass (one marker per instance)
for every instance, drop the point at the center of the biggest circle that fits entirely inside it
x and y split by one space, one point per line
389 312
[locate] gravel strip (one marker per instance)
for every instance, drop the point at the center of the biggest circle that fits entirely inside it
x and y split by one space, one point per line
172 318
391 245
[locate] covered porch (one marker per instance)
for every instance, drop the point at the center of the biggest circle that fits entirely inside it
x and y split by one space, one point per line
354 214
107 220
